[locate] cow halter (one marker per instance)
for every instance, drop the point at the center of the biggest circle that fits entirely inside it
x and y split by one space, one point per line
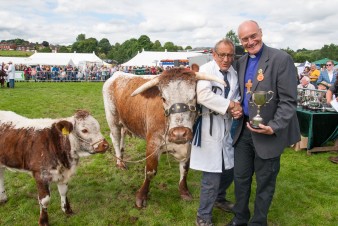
179 108
87 142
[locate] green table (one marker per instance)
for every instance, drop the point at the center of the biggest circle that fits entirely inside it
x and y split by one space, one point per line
319 128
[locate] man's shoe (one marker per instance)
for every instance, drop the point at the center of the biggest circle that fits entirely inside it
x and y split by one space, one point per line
233 223
201 222
226 206
334 159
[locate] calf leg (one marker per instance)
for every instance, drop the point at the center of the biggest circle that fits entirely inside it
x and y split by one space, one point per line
3 196
183 187
150 172
44 199
65 206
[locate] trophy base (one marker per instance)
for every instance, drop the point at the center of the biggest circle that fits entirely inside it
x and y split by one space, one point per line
255 126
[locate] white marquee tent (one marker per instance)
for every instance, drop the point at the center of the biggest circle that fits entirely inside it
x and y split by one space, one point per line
74 59
15 60
153 58
65 58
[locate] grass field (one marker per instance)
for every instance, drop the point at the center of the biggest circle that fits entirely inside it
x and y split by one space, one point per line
15 53
306 194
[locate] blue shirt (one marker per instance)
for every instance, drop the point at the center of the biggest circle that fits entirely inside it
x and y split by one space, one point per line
250 73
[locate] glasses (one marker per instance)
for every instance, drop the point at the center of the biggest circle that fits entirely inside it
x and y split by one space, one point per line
252 37
329 65
223 55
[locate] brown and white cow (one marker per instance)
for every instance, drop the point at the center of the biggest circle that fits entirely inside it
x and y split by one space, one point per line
163 114
48 149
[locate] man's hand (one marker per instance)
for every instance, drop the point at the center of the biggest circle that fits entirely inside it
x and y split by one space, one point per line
263 129
237 110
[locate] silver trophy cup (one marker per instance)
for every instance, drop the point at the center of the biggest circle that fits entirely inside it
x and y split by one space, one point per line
259 98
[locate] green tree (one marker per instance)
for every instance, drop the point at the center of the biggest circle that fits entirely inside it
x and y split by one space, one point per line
45 43
169 46
45 50
157 46
233 37
104 46
63 49
85 46
144 42
330 51
81 37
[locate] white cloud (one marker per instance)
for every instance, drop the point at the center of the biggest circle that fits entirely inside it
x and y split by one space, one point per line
295 24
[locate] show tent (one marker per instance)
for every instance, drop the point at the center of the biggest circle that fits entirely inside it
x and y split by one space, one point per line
154 58
323 61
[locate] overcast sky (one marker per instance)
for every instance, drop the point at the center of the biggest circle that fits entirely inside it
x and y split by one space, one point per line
199 23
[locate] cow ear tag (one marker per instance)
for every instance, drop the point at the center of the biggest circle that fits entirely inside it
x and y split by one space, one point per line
65 131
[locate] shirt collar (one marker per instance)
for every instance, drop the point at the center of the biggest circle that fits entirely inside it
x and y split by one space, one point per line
257 54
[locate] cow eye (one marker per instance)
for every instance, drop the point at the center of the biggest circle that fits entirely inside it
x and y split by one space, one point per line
163 99
84 131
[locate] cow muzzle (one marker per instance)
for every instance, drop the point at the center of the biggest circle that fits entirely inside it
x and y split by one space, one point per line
102 146
180 135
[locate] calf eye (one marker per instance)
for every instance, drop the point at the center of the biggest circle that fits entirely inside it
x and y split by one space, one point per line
163 99
84 131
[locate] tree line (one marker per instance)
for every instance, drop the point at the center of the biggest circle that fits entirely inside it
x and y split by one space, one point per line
120 53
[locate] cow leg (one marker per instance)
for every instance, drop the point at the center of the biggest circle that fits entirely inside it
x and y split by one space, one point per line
44 198
116 137
183 187
150 172
3 196
65 206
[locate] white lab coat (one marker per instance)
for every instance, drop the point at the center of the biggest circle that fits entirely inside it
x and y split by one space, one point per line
208 157
10 72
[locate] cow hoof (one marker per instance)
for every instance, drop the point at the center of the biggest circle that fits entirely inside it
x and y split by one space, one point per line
69 212
186 197
140 203
3 198
121 166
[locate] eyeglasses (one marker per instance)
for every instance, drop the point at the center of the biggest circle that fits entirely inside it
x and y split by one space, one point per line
223 55
329 65
252 37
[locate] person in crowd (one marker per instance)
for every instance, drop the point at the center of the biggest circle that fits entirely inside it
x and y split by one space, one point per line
258 151
27 72
330 95
314 74
11 74
212 151
305 84
323 86
3 75
306 72
328 75
332 91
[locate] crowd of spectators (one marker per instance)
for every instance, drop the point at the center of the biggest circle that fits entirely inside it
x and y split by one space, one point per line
321 78
91 72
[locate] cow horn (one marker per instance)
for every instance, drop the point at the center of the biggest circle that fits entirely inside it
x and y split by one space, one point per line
202 76
153 82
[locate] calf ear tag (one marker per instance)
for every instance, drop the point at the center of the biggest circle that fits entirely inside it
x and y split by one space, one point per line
65 131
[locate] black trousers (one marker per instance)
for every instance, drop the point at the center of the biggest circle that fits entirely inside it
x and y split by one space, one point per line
248 163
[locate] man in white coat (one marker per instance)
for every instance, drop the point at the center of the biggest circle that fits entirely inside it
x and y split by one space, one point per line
212 150
11 74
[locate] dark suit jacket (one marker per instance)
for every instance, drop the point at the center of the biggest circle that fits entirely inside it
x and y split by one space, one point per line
280 113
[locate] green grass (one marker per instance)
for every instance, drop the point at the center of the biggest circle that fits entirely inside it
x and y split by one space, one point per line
306 194
15 53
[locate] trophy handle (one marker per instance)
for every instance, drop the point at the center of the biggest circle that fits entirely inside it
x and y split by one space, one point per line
249 96
269 93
